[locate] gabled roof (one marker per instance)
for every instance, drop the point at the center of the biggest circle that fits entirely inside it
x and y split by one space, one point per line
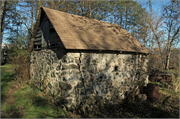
78 32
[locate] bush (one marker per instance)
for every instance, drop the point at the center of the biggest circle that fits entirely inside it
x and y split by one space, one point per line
175 81
3 57
15 52
155 62
174 59
20 59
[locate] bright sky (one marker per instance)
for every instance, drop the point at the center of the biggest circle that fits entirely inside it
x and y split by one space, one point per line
156 4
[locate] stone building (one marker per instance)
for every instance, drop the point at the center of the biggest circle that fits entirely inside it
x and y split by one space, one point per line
76 58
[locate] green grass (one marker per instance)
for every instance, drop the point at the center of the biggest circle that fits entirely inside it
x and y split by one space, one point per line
27 103
36 106
6 80
158 83
174 71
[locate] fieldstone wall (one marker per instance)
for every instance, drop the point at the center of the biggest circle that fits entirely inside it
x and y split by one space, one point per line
74 78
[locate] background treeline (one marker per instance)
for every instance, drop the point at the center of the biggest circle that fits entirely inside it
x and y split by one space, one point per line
157 31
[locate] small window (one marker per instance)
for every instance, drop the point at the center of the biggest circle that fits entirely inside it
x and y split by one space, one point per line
116 68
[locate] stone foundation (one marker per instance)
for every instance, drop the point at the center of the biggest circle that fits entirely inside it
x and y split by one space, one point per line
73 78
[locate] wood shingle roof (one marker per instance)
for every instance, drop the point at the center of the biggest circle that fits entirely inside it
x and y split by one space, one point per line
78 32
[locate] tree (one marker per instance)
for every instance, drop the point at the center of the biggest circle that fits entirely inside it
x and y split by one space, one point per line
156 26
37 20
131 16
171 19
8 16
93 9
2 20
165 29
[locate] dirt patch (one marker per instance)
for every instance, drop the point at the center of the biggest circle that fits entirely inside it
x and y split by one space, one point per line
10 99
9 71
13 112
145 109
41 94
172 105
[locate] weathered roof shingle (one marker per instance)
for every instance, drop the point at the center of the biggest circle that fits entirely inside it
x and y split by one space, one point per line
78 32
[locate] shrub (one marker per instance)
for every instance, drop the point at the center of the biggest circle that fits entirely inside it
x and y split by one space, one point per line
2 58
15 52
175 81
154 62
20 59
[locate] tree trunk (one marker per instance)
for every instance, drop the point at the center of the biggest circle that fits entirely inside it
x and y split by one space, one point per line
2 20
34 34
89 10
36 27
32 16
121 19
167 58
82 8
126 17
150 9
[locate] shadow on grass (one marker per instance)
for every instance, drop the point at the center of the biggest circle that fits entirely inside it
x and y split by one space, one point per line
13 112
41 108
39 101
125 110
128 110
144 110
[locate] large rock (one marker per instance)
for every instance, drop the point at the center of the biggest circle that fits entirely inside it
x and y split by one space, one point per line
141 97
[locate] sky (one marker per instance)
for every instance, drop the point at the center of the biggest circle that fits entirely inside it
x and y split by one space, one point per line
156 4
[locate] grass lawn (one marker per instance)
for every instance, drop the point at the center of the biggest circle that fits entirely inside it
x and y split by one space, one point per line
6 80
20 100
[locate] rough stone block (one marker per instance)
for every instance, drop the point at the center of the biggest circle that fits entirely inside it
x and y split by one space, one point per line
91 100
74 55
64 67
74 77
65 59
88 84
74 71
80 85
142 97
83 92
108 97
70 66
55 60
65 72
58 68
53 74
104 91
65 86
77 60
